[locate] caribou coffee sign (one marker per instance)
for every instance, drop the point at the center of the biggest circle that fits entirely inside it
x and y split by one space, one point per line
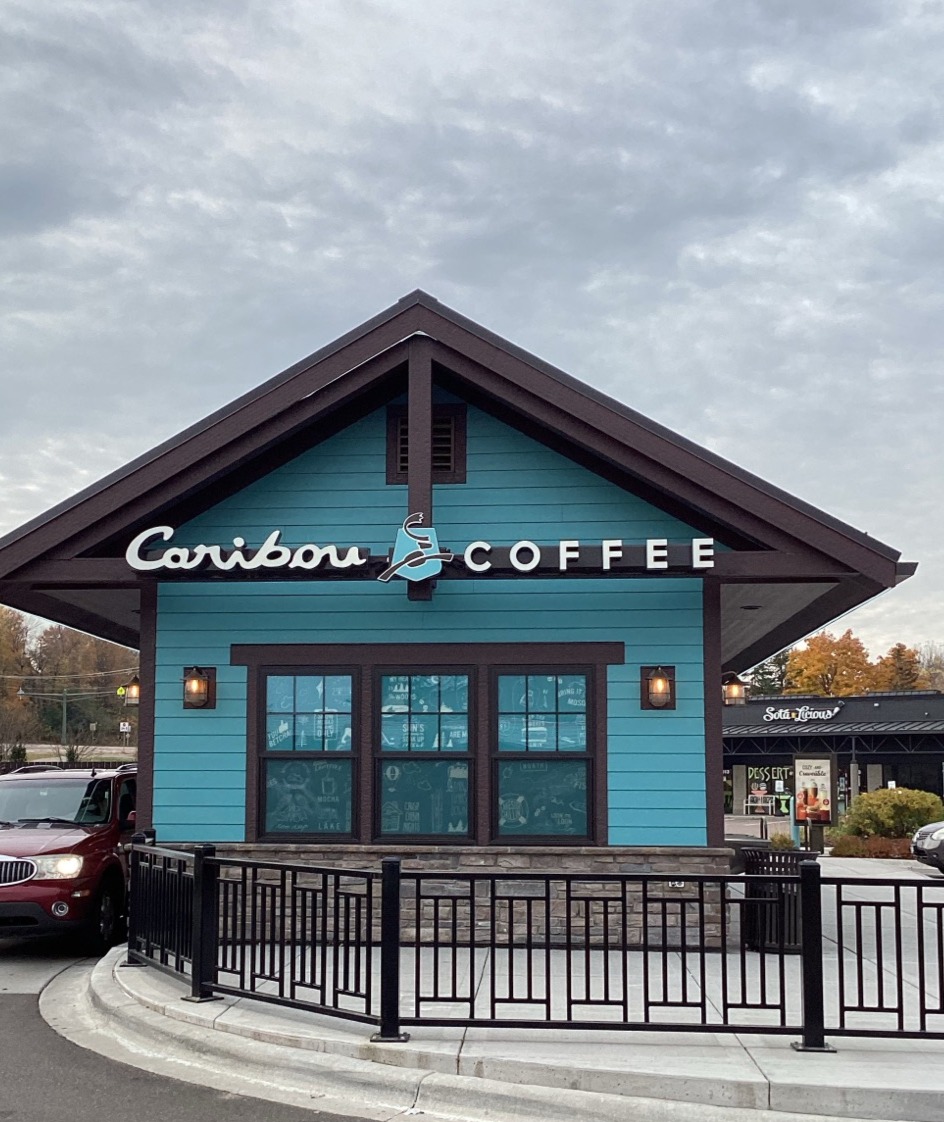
417 555
270 555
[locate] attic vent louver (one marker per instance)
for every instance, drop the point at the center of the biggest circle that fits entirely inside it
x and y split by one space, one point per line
448 440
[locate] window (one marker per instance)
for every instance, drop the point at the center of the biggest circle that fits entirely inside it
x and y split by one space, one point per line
543 759
308 767
127 797
448 444
437 743
423 763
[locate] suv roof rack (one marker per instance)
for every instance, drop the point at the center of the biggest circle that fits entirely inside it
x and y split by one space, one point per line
35 767
127 767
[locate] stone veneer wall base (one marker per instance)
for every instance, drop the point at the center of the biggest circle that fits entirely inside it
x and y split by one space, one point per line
611 914
496 858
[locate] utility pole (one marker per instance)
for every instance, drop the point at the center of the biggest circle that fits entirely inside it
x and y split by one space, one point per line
63 699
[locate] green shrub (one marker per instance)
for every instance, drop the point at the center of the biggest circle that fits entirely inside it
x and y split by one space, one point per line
894 812
781 841
17 755
849 846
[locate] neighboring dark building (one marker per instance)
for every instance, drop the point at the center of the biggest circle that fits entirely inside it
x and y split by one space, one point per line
424 593
878 738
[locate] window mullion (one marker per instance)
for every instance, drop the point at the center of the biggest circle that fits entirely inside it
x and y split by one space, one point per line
482 748
367 705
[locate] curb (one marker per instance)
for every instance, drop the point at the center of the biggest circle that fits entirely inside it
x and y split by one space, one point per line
98 1009
727 1092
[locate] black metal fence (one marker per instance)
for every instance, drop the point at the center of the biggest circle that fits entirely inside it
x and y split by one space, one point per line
160 908
889 978
292 934
798 954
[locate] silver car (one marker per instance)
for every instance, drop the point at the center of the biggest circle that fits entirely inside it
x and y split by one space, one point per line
928 845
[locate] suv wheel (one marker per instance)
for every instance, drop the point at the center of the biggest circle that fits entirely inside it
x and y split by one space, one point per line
104 922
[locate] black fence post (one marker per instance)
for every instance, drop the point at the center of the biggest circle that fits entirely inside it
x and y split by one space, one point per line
811 961
203 946
134 897
390 954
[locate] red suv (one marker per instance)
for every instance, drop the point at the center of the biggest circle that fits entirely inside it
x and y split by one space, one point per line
62 864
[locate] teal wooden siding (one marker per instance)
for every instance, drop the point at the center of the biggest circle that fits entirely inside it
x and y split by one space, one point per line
516 489
333 493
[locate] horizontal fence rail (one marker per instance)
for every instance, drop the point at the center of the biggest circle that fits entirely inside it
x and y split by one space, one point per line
797 954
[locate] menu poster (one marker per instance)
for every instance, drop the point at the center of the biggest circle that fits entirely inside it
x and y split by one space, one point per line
814 779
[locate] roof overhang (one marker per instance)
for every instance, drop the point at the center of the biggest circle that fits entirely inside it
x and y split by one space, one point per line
789 568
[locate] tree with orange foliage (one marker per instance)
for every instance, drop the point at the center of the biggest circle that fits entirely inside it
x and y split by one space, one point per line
64 659
830 667
900 669
18 724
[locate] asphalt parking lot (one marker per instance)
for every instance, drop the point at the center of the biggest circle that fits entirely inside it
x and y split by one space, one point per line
44 1078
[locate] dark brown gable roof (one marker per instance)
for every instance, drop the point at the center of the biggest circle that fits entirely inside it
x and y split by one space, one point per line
61 563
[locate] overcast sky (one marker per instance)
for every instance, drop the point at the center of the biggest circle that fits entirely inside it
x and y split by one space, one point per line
728 215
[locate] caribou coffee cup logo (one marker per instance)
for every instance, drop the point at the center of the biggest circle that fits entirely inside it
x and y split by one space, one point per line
416 554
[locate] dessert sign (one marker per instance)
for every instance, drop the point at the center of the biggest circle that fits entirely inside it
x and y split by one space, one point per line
815 789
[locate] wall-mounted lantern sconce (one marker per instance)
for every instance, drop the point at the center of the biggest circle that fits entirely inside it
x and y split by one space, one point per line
199 687
733 690
657 687
133 691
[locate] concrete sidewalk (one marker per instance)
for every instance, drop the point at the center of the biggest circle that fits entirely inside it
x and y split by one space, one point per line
879 868
137 1015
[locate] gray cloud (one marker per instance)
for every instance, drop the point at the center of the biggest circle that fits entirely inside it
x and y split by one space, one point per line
728 216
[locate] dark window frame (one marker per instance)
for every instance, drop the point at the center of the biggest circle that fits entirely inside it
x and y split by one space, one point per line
381 756
397 415
596 738
263 755
481 661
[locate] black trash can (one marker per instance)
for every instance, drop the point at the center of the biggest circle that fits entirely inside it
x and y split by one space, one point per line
771 917
740 845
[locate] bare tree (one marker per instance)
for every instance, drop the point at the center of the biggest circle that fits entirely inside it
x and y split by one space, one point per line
80 749
18 727
931 659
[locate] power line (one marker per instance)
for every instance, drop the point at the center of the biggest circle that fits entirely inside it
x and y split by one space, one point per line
50 677
79 695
